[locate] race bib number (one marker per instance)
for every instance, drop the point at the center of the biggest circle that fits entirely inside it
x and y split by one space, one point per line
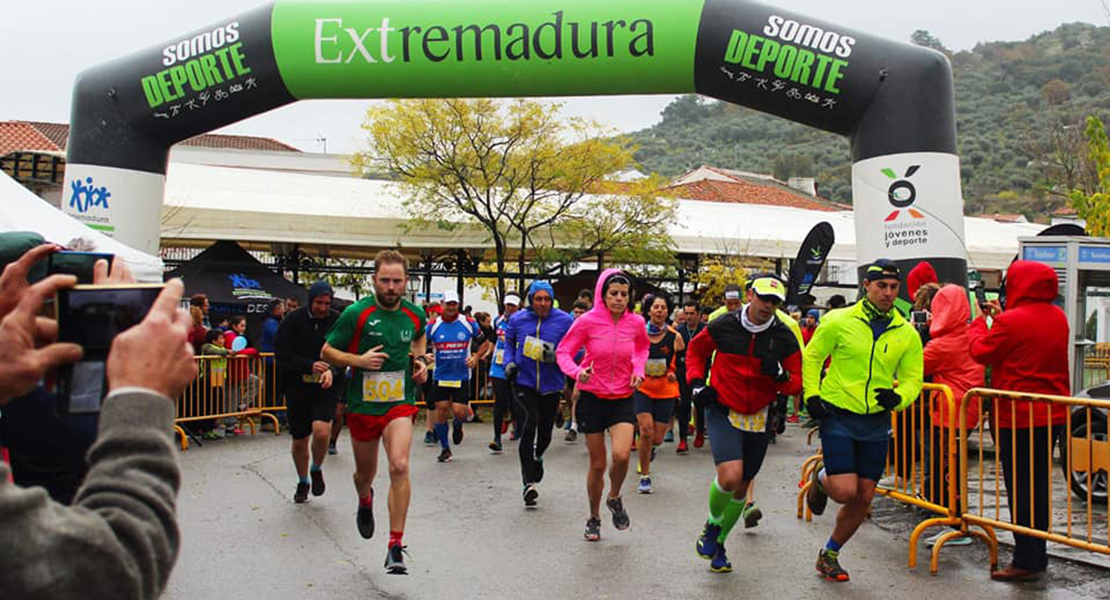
756 423
499 357
383 386
656 367
533 348
449 384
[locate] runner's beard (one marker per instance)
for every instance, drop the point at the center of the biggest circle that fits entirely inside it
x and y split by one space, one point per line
388 301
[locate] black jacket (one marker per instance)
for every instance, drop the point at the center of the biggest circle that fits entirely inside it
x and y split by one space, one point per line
299 340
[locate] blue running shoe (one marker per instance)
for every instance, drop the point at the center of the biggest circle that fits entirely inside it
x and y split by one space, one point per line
707 541
720 563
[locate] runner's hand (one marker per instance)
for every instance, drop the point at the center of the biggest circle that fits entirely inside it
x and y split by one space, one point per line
585 374
511 371
325 379
419 371
636 381
887 398
671 377
372 359
703 395
319 367
816 407
773 369
992 308
471 361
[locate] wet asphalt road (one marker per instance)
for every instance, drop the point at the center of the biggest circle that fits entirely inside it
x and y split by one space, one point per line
471 537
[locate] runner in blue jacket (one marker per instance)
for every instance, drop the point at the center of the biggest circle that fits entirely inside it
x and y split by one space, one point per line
530 341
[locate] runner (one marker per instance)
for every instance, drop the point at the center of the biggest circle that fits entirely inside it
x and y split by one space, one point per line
375 337
686 331
502 389
309 385
871 346
451 336
613 367
530 342
657 395
755 357
424 391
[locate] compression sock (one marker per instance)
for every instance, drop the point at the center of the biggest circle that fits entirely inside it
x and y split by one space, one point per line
304 479
395 538
732 514
718 502
442 434
314 468
833 547
368 501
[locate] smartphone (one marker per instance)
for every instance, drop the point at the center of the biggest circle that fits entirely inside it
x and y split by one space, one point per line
919 317
92 316
79 264
980 295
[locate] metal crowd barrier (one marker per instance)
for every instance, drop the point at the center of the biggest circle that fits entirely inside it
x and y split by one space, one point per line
982 488
232 387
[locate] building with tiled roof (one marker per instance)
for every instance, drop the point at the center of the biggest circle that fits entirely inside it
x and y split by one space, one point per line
714 184
58 135
17 135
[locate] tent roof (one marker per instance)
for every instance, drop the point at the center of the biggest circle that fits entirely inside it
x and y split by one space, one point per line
230 275
22 210
212 203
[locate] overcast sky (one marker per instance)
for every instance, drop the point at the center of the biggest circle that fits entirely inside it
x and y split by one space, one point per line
44 43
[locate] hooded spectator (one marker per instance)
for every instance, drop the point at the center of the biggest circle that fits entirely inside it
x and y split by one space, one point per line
920 275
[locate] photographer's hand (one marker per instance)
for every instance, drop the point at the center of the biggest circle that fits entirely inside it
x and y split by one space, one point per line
120 273
155 354
14 279
27 348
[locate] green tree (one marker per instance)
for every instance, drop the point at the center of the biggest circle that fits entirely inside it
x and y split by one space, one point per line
922 37
1095 207
514 168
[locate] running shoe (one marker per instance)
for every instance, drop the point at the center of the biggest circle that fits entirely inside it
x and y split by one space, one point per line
514 436
593 529
444 456
504 427
301 495
530 495
793 418
395 560
539 469
364 518
816 497
429 438
699 439
332 450
318 486
645 485
669 436
828 565
719 563
457 433
495 447
211 435
571 437
559 419
682 447
707 541
962 540
620 516
751 515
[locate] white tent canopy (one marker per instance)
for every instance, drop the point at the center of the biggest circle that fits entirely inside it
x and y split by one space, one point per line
214 203
22 210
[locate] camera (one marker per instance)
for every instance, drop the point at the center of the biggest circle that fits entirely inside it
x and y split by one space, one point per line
919 317
91 316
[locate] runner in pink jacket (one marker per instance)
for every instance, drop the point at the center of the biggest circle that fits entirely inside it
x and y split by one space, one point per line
616 346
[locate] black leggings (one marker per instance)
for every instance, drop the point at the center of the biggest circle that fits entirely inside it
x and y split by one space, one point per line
683 412
1029 552
502 396
536 413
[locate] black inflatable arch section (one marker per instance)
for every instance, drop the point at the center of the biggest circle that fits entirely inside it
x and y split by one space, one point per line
894 101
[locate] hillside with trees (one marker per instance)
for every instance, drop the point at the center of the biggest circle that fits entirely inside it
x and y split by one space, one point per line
1021 112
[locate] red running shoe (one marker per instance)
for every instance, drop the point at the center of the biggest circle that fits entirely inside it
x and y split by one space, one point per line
699 439
682 447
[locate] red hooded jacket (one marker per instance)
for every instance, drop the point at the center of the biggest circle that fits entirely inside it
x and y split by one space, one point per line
1027 346
947 359
921 274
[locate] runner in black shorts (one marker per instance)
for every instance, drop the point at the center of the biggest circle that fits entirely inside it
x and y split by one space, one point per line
309 385
755 357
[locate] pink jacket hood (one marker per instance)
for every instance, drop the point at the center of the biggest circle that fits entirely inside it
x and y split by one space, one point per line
617 350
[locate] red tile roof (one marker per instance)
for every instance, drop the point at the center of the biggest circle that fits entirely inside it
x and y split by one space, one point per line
746 192
16 136
13 136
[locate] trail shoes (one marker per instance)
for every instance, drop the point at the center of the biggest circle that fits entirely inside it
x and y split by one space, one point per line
751 516
828 565
620 516
719 563
707 541
395 560
318 486
364 518
816 497
444 456
301 495
593 529
530 495
645 484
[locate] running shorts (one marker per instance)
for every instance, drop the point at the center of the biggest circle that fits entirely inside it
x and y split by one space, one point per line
307 405
596 415
368 428
729 443
660 409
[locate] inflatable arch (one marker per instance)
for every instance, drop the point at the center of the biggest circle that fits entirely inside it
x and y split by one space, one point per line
894 101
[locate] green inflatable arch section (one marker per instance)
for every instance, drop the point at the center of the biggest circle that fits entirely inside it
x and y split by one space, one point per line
893 101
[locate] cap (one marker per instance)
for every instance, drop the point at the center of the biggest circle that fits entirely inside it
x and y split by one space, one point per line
769 287
450 296
883 268
512 299
733 292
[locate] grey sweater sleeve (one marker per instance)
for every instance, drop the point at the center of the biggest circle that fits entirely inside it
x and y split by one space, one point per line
120 538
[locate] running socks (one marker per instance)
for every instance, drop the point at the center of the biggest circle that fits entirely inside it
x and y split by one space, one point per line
314 468
304 480
395 538
732 514
718 503
441 434
833 547
367 502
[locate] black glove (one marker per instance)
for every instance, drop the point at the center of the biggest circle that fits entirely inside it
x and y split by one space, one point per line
816 407
773 369
887 398
511 371
702 394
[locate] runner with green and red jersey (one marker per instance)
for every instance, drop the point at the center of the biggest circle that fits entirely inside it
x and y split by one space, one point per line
381 338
